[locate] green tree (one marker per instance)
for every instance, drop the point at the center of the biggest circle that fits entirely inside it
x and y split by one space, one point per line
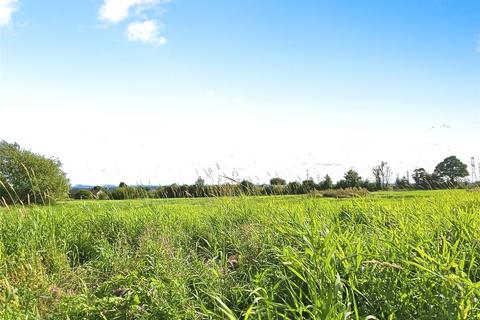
402 183
84 195
420 177
352 179
294 187
247 187
278 182
425 180
200 182
198 189
27 177
451 169
382 174
308 185
327 183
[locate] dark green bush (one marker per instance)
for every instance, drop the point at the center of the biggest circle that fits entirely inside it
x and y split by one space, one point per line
26 177
84 195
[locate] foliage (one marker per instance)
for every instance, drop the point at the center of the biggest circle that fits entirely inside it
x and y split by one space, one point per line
308 186
278 182
424 180
102 195
390 255
27 177
84 195
327 183
382 174
273 189
402 183
124 193
351 180
278 186
200 182
451 169
247 187
294 187
345 193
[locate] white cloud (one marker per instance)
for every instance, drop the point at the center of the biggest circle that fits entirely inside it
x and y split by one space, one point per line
147 32
115 11
7 8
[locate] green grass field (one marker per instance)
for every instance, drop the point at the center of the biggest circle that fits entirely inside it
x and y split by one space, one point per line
411 255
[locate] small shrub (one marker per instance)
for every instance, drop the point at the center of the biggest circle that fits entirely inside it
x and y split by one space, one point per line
102 195
84 195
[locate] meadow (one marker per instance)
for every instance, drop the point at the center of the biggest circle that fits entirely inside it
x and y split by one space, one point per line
388 255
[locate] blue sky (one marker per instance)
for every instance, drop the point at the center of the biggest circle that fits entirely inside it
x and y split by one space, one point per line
158 91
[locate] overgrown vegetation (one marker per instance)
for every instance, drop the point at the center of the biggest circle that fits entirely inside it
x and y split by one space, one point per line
26 177
345 193
409 255
448 174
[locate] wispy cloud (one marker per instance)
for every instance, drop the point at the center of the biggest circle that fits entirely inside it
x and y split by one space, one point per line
146 31
7 8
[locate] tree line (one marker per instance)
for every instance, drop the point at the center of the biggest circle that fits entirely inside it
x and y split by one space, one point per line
29 178
449 173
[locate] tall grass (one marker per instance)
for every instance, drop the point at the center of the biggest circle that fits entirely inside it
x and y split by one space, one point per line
386 256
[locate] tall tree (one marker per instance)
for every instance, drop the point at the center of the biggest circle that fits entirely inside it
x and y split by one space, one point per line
199 188
451 169
420 176
382 174
327 183
200 182
402 183
353 179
